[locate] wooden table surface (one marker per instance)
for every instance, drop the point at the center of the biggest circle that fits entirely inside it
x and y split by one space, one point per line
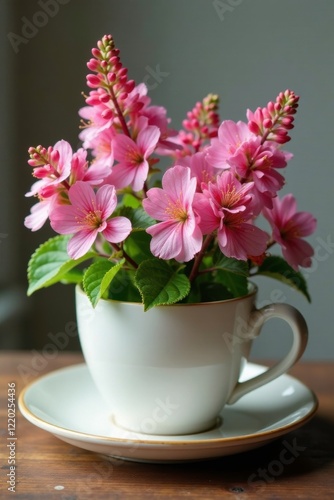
48 468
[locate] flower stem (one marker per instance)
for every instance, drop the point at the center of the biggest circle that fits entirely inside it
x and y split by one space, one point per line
119 111
199 257
125 255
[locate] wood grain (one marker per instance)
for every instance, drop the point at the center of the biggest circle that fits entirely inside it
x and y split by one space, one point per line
47 468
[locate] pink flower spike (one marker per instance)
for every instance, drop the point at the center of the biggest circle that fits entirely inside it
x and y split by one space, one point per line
87 216
289 227
133 166
178 235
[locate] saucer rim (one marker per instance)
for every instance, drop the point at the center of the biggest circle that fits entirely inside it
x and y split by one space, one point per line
57 430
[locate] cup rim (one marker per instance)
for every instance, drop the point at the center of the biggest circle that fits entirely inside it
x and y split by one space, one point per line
253 289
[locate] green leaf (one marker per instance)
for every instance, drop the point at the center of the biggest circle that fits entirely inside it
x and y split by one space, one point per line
138 246
232 274
231 265
211 292
138 217
50 263
130 201
160 284
74 276
98 277
277 268
237 284
123 288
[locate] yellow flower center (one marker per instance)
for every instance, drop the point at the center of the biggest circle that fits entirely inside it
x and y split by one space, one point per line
230 197
176 211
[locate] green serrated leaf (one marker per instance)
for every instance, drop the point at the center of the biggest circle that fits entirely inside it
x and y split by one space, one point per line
231 265
276 267
237 284
50 263
98 277
160 284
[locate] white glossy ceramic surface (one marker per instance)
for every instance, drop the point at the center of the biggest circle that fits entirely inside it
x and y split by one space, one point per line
171 370
66 404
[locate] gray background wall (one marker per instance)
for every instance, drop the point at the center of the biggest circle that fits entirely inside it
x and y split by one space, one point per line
246 51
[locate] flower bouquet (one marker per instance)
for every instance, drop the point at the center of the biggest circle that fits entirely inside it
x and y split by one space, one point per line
130 232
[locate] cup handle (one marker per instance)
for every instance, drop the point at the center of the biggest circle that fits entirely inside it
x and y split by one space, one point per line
300 336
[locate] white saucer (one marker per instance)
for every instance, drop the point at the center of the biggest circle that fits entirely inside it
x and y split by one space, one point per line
66 404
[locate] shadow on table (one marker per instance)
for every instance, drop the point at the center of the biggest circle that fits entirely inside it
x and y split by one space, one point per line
293 455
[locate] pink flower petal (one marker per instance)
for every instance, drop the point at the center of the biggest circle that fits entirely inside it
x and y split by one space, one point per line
123 175
179 184
305 223
82 197
124 148
63 219
147 140
156 204
117 230
298 252
80 243
106 200
242 241
166 242
38 215
64 164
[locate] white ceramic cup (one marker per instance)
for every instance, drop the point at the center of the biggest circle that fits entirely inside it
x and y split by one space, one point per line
172 369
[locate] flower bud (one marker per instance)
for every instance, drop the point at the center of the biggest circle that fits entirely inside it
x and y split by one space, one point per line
107 114
254 128
130 85
93 64
93 80
104 97
54 156
93 100
267 123
112 77
96 53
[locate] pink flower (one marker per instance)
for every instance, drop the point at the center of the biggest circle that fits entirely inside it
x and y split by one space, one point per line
200 168
49 196
51 166
226 206
256 162
94 173
230 136
133 166
178 235
289 227
87 216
